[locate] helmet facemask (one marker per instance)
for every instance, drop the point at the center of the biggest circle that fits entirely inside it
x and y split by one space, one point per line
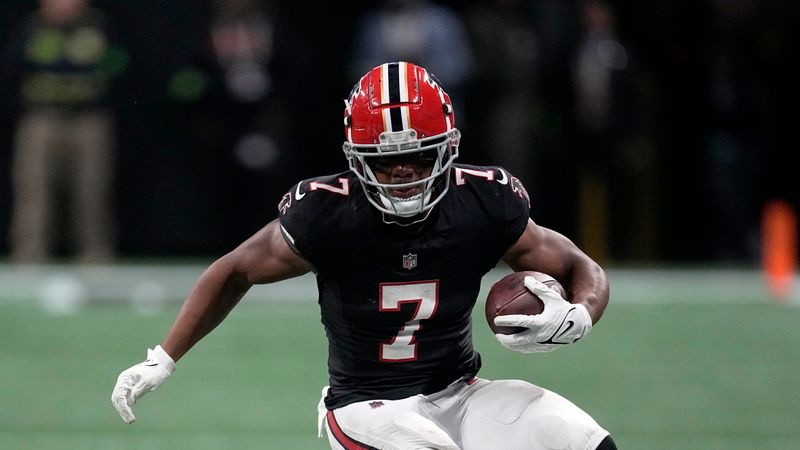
435 154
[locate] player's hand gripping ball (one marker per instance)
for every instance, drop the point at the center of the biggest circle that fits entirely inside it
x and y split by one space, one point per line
509 296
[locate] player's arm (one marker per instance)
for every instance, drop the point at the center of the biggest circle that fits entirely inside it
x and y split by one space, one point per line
561 322
545 250
263 258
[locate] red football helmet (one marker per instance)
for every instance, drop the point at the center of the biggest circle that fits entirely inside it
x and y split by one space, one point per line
399 109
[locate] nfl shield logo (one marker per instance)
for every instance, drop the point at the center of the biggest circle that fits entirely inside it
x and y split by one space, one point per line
409 261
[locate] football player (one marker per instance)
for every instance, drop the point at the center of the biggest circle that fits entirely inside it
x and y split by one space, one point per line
399 244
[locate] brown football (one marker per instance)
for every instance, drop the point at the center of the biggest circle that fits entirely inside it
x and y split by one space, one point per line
510 296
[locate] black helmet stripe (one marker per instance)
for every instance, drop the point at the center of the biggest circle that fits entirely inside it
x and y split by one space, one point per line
393 72
394 91
393 81
396 119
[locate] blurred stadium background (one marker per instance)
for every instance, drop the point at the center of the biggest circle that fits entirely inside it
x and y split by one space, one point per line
694 351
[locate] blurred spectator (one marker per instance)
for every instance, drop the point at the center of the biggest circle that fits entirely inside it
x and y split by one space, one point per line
241 127
243 43
506 86
607 159
418 31
241 35
60 64
736 145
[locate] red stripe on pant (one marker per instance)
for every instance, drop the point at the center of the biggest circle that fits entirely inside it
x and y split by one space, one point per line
344 440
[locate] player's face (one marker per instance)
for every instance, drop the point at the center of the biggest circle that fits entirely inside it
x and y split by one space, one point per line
404 169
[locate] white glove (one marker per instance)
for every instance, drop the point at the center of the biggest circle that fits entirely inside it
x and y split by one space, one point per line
140 379
559 324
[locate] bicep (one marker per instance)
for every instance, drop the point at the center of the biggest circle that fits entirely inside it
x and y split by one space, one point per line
544 250
266 257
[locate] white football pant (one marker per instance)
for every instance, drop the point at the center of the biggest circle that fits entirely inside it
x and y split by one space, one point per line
468 415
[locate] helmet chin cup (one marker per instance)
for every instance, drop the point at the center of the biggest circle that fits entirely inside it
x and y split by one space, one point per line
402 207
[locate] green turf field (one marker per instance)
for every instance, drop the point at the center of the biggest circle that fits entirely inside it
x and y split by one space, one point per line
663 370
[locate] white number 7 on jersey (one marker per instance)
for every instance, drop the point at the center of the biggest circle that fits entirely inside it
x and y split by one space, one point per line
425 294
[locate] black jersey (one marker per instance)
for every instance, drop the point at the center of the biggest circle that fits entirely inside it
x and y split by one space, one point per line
396 302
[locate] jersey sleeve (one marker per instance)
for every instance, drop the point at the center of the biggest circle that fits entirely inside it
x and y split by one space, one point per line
502 200
311 214
296 218
516 204
301 217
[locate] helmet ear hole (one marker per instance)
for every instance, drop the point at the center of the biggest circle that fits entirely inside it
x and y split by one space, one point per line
348 121
447 109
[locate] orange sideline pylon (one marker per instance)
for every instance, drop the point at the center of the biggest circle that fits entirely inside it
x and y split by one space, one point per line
779 247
